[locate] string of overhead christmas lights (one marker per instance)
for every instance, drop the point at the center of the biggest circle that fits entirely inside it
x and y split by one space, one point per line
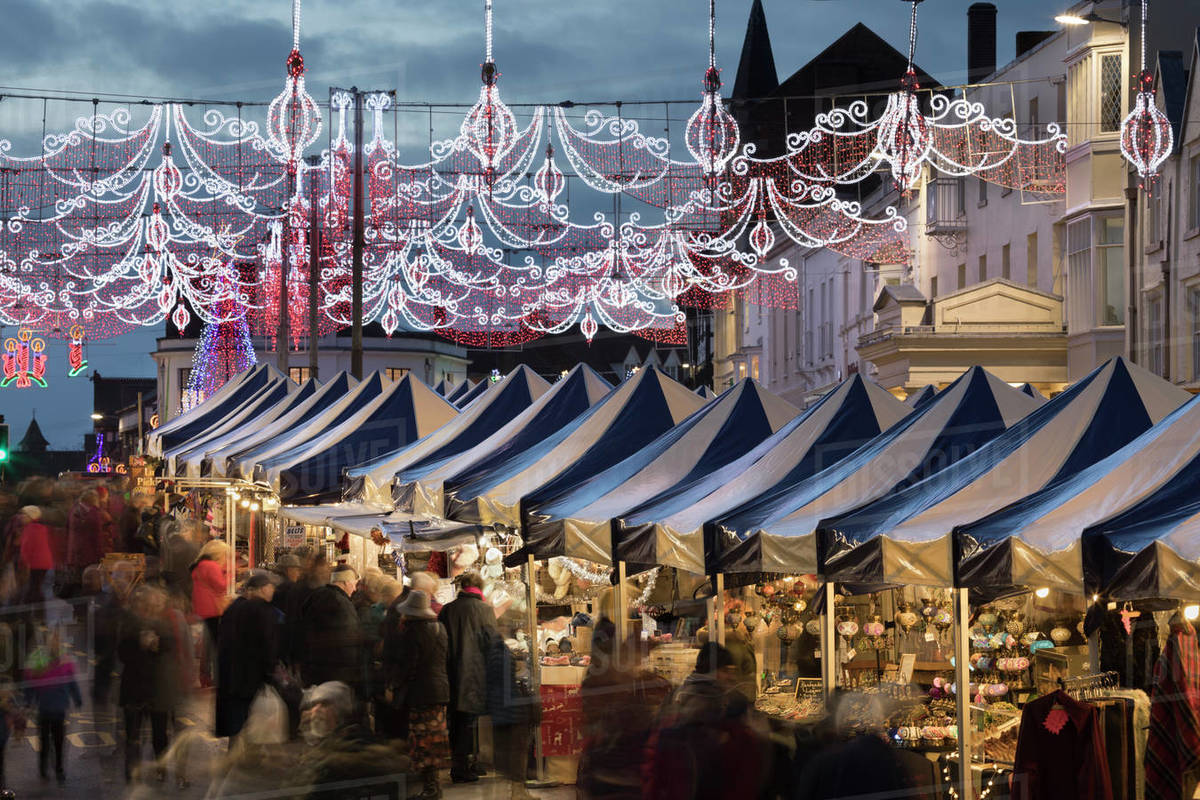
478 243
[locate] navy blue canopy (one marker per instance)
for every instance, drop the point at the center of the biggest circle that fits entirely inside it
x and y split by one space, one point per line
455 392
467 397
244 416
628 419
215 409
442 387
575 393
906 535
921 396
577 522
668 528
372 480
312 472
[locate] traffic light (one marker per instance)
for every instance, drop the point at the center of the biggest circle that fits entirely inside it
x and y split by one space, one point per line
3 442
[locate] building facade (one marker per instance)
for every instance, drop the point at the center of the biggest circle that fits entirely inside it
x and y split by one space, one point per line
1028 282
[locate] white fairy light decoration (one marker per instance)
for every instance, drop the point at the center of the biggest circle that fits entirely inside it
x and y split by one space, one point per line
1146 135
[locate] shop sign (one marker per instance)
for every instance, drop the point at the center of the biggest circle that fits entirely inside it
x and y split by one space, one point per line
293 536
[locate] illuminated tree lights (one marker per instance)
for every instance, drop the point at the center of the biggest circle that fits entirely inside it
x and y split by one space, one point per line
224 350
1146 135
477 243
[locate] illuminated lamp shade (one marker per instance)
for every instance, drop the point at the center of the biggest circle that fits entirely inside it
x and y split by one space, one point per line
1146 136
904 139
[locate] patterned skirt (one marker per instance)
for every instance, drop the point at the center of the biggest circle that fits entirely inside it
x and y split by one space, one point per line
428 742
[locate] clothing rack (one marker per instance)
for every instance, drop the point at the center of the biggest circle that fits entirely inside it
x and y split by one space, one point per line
1083 686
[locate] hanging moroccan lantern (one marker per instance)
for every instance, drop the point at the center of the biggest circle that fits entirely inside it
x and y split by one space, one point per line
1146 135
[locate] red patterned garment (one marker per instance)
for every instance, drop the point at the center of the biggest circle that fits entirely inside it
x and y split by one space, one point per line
1060 752
1173 747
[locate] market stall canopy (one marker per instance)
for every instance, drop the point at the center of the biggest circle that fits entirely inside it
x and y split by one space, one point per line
216 461
443 386
921 396
372 480
668 529
1033 392
311 472
456 392
632 416
323 514
772 528
905 536
577 522
194 422
1039 539
706 393
242 463
421 491
466 398
191 462
244 416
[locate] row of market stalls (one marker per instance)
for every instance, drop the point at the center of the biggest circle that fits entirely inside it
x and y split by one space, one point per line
957 539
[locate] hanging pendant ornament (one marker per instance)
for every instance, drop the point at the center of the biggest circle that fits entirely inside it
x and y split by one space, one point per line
75 357
24 360
293 119
904 138
1146 135
489 129
712 135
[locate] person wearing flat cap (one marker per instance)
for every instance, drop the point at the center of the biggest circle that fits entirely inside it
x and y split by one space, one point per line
418 682
331 634
247 651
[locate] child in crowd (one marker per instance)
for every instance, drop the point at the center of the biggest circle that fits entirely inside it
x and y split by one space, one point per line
51 686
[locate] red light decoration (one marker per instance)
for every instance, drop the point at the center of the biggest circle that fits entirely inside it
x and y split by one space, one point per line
75 357
24 361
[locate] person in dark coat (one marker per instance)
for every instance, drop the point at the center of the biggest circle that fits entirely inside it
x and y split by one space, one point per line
247 653
290 571
149 679
332 636
468 620
511 706
315 575
418 683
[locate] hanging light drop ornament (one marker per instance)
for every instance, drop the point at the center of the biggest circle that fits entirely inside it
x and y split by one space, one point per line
293 119
1146 135
904 139
75 358
712 135
489 129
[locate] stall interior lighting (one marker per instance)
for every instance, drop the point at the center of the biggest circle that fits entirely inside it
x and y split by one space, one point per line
1191 613
1043 592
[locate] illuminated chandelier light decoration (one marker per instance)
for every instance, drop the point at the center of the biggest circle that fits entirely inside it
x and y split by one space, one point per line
293 119
102 237
224 350
955 137
1146 135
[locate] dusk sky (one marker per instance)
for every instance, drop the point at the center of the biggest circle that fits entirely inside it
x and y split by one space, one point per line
427 51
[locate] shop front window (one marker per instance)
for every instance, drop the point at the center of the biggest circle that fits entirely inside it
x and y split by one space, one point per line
1111 246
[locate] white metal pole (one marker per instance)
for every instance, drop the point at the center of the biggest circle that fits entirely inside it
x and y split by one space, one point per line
535 667
620 616
231 540
962 679
719 607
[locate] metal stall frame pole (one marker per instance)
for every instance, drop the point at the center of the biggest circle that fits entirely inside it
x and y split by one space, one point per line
719 607
358 242
829 642
620 616
231 540
314 268
535 667
962 696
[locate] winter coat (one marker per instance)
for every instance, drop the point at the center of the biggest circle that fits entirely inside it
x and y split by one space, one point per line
85 536
150 675
416 664
332 638
246 657
468 622
37 550
510 702
210 582
177 557
52 687
293 602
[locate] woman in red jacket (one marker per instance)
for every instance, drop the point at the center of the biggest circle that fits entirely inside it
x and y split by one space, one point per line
210 595
37 554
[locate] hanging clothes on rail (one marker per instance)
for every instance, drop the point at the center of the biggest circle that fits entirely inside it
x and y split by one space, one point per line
1060 752
1173 746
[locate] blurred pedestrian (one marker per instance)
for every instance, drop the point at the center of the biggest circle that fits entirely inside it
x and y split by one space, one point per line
37 556
178 553
290 570
149 679
210 587
418 683
341 750
85 531
51 686
513 712
332 635
247 653
467 619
